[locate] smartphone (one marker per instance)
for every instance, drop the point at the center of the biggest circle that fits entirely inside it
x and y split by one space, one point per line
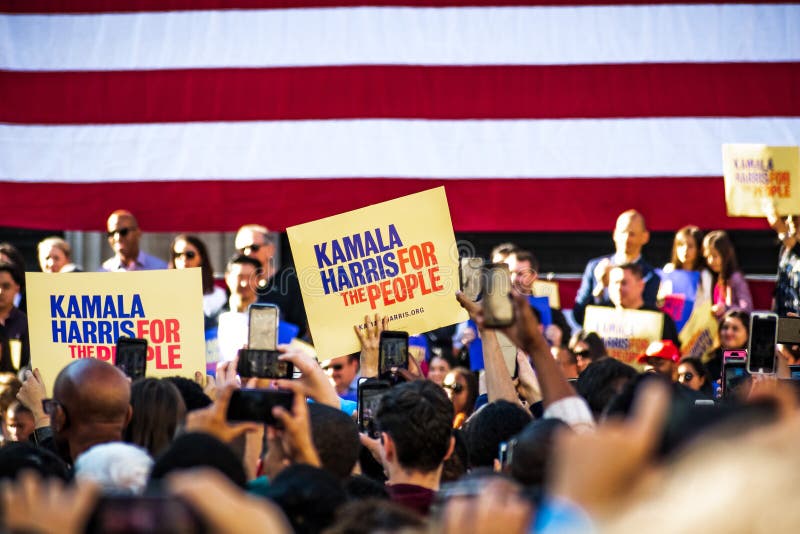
761 346
498 308
789 330
370 393
131 356
469 274
262 330
734 374
505 452
393 351
739 355
260 363
124 514
794 372
256 404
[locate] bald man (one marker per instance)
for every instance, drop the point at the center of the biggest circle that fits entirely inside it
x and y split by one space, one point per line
91 405
630 235
123 237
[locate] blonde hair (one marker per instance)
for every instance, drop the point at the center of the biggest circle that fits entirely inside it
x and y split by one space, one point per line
57 242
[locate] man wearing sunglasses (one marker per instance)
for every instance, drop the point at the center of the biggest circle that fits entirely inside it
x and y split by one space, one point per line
123 237
275 286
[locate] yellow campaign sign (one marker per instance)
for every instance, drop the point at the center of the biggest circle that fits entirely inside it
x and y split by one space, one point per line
396 258
549 289
625 333
699 337
81 315
755 172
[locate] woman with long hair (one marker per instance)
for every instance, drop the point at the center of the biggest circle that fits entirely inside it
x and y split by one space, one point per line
730 288
687 254
189 251
461 386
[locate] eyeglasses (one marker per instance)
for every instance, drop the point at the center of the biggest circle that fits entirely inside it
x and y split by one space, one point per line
190 254
455 387
686 377
123 232
51 405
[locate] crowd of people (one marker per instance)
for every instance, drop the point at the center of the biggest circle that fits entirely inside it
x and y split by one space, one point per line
568 439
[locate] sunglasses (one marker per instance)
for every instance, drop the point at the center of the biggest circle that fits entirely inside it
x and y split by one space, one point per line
255 247
50 406
686 377
335 367
190 254
123 232
455 386
582 353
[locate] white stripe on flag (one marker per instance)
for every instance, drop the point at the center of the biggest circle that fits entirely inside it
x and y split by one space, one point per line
427 36
381 148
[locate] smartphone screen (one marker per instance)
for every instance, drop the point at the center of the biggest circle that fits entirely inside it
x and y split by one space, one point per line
734 376
123 514
470 271
498 309
256 404
789 330
761 349
370 393
131 357
263 364
263 327
393 351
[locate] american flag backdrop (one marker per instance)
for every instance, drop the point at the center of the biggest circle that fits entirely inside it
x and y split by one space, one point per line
537 116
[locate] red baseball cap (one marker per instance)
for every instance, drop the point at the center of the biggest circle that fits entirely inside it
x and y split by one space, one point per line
664 349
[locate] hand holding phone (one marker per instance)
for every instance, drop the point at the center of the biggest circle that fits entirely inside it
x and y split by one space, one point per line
258 363
393 352
498 308
370 393
256 404
470 271
131 357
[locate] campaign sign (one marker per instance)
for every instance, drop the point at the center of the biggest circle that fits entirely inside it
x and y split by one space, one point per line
700 336
678 291
81 315
396 258
625 333
755 173
549 289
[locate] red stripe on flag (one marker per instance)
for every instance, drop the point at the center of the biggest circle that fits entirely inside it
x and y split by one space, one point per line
132 6
475 205
584 91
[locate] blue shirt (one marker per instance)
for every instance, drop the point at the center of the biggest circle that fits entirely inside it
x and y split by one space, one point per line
144 262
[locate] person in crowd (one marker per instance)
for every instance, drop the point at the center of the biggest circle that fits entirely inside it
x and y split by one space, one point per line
438 368
524 267
19 422
55 256
274 286
569 364
694 375
158 413
587 348
734 334
415 420
10 254
124 235
118 468
626 287
601 381
462 390
240 276
9 387
730 287
188 251
491 425
90 406
344 374
787 284
630 235
14 339
530 453
687 254
661 357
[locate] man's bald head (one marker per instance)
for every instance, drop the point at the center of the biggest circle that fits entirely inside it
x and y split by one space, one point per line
93 391
630 234
124 234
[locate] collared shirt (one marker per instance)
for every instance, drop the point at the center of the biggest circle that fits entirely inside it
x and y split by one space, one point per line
352 390
144 262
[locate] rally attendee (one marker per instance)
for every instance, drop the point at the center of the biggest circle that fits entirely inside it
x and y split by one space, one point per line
274 285
694 375
19 422
344 373
787 285
734 334
601 381
158 413
240 276
411 414
118 468
630 235
626 288
10 254
461 386
123 237
493 424
189 251
687 254
730 287
661 357
587 348
55 256
438 367
14 341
